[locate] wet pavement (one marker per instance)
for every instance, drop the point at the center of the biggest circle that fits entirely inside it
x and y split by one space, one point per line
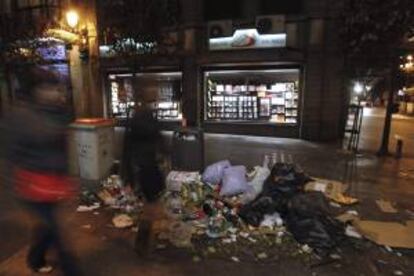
104 250
372 126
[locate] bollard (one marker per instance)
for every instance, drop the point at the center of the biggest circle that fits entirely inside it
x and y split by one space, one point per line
399 148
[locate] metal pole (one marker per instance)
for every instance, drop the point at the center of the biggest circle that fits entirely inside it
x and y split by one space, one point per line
388 116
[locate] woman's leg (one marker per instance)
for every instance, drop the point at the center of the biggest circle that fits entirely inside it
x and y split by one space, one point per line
47 235
43 235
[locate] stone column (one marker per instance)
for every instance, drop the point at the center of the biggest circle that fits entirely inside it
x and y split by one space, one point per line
77 75
323 98
86 81
192 45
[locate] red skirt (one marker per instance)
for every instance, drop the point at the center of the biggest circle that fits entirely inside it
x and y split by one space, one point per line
44 187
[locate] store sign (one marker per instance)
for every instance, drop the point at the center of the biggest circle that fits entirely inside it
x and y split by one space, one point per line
248 39
55 52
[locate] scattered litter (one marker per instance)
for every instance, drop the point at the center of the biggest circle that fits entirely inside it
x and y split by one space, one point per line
211 250
353 212
161 246
332 189
176 179
389 249
390 234
244 235
350 231
85 208
398 272
262 256
271 221
335 256
86 226
347 217
122 221
232 230
399 254
252 240
334 204
280 205
180 234
386 206
305 248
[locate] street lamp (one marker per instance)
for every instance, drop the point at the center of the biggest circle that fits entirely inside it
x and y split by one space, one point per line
72 18
358 88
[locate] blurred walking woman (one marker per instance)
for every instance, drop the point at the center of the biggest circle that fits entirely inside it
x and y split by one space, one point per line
37 154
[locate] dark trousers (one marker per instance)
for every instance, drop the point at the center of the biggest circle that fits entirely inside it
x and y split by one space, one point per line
149 180
45 236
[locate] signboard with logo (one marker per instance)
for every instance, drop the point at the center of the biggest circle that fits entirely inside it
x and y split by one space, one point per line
248 39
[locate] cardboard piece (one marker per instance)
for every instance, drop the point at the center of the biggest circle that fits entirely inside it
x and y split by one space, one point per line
332 189
386 206
387 233
347 217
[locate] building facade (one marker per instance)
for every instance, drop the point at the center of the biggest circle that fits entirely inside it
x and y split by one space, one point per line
250 67
271 68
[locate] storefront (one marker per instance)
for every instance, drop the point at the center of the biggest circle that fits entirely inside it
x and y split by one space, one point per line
278 83
260 101
124 94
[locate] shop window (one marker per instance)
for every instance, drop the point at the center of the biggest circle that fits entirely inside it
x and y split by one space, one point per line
124 95
270 96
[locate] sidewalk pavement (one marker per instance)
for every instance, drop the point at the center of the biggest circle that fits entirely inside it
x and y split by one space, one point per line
104 250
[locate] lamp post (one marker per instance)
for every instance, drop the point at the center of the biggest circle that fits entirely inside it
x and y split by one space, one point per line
72 19
396 71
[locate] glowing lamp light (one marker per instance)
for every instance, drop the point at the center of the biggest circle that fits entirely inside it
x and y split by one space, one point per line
410 57
358 88
72 18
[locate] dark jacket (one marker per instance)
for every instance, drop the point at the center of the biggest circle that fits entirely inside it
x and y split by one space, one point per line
37 138
145 139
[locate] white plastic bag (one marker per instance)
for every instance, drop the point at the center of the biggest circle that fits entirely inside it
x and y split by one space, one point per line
213 174
260 177
234 181
255 186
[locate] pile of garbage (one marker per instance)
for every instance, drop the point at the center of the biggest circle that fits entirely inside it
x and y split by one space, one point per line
114 195
265 206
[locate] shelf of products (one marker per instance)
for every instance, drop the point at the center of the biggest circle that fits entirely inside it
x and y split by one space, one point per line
168 105
245 98
167 110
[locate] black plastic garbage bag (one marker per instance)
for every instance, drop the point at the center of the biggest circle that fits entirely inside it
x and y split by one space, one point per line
309 221
284 182
309 204
253 213
289 172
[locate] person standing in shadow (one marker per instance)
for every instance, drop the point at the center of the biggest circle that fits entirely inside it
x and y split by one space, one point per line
144 145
